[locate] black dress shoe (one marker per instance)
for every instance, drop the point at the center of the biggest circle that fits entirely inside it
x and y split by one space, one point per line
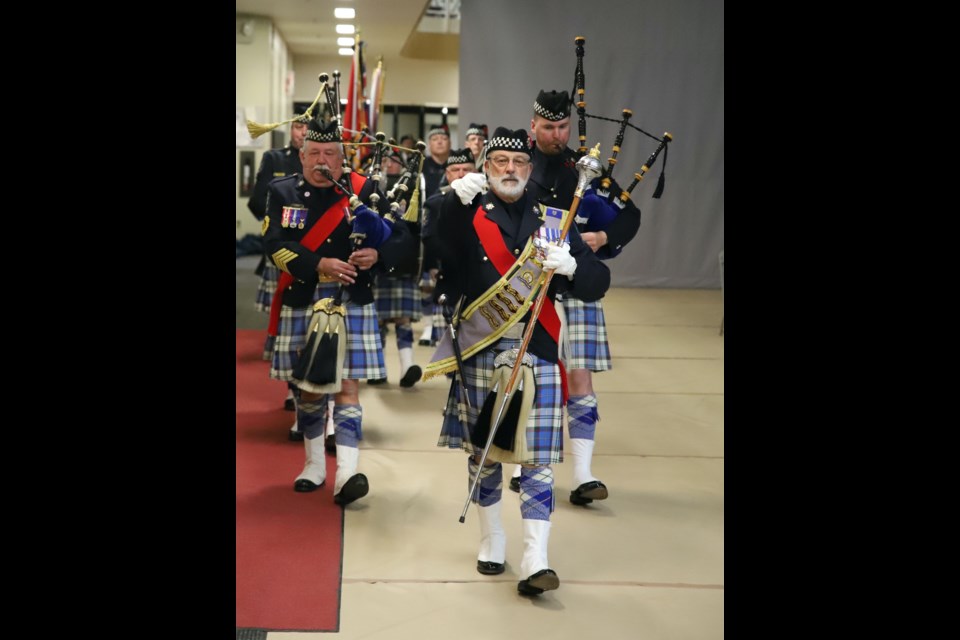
490 568
410 378
354 488
304 486
588 492
515 485
377 381
289 405
330 443
294 436
426 343
543 580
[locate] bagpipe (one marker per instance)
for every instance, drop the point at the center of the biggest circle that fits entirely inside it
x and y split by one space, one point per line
594 210
320 366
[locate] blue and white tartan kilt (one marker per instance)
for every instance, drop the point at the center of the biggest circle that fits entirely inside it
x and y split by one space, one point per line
267 286
397 297
586 337
545 426
439 322
364 355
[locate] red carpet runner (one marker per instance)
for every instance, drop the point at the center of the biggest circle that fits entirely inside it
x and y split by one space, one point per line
289 544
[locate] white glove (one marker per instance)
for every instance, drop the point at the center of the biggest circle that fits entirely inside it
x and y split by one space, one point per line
469 186
559 259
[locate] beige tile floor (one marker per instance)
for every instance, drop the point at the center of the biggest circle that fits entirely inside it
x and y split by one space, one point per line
646 563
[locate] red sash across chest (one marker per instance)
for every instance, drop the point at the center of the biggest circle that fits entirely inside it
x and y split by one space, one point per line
502 259
314 238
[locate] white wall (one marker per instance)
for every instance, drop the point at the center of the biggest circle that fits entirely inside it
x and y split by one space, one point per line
261 67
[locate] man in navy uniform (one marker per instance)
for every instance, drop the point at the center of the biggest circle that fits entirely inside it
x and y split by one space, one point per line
475 139
459 163
396 290
493 247
434 167
276 163
606 225
307 236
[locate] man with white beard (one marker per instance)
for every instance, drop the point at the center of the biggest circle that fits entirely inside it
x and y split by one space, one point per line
494 242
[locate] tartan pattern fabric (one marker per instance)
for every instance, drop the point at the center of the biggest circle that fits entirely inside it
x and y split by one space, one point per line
582 416
404 335
268 348
426 284
267 286
347 420
383 335
364 354
291 338
310 417
490 488
427 307
439 323
586 335
397 297
536 493
545 426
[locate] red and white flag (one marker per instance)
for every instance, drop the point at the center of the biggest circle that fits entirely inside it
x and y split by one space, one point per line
354 117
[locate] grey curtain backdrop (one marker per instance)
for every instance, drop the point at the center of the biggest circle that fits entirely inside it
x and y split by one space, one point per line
663 60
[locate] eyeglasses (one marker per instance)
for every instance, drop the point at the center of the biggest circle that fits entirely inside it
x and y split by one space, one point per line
501 162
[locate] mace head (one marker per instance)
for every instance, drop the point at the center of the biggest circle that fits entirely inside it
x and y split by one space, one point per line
588 168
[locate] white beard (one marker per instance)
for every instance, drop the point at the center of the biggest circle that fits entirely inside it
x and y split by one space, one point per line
511 189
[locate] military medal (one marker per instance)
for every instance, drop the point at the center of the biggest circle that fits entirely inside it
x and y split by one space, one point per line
293 217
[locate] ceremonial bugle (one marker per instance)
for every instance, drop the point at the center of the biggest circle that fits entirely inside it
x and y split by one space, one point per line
607 179
588 167
449 315
637 177
579 88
